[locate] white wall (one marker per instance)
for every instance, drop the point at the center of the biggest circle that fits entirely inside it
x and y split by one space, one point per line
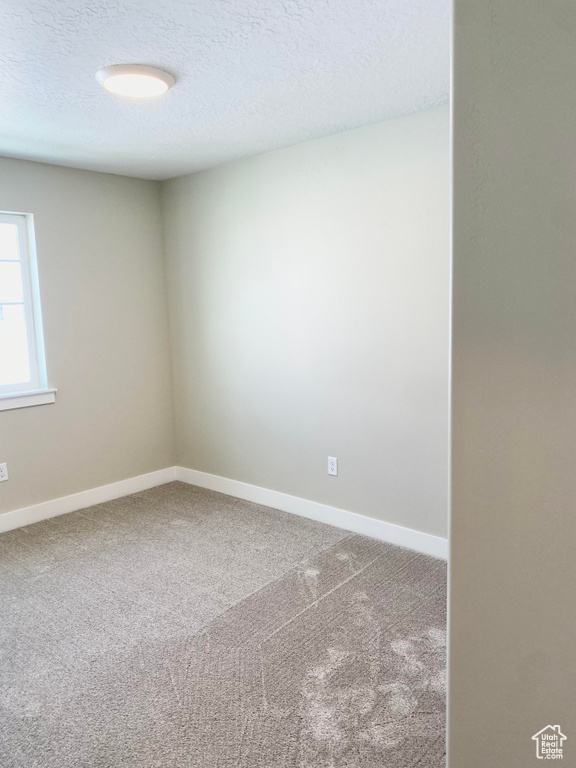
309 305
513 534
102 285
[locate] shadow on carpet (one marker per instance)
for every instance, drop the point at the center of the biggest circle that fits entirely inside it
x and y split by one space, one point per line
155 631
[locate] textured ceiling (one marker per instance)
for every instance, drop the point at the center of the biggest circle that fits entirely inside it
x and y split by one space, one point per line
252 75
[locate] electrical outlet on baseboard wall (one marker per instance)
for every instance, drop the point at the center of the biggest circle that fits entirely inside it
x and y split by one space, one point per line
3 472
332 466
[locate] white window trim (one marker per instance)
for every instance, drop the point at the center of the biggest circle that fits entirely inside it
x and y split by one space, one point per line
35 391
26 399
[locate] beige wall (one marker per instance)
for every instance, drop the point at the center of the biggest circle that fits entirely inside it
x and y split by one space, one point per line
309 317
102 285
513 580
309 297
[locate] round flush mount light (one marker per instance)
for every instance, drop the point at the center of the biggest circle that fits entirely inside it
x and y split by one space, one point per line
135 80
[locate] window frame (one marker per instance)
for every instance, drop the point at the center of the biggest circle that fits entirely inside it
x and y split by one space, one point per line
35 391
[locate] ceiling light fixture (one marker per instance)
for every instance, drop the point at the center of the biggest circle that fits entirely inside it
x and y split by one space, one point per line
135 80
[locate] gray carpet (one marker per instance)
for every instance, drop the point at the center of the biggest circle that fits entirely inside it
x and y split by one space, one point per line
181 628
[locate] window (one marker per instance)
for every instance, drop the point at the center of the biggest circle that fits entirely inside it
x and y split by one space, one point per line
22 362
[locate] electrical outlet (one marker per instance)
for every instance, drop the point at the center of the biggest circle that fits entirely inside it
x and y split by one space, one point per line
332 466
3 472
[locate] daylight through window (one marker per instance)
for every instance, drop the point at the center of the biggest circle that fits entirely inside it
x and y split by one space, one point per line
22 364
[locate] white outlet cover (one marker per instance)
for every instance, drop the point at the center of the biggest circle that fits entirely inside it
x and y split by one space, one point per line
3 472
333 466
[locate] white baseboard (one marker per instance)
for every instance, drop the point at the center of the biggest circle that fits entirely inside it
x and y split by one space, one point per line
349 521
37 512
341 518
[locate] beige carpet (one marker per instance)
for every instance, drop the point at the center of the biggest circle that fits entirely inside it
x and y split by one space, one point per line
180 628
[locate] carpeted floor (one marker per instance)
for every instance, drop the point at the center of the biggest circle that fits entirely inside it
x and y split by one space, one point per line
181 628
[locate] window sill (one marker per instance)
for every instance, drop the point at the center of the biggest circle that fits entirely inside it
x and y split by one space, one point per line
26 399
